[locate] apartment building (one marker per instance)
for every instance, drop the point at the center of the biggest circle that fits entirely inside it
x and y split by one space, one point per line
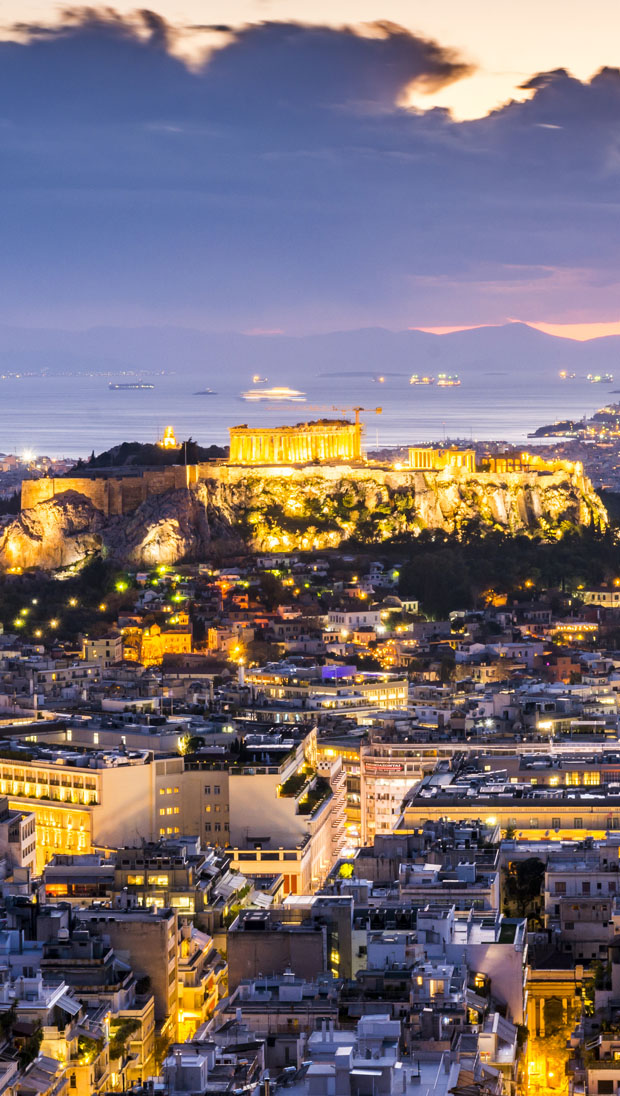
148 941
330 688
581 890
289 819
18 842
389 768
104 649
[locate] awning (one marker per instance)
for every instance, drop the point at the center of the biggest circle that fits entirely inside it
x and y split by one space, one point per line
69 1004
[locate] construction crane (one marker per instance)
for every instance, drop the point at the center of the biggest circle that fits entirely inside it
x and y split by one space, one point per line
368 410
347 410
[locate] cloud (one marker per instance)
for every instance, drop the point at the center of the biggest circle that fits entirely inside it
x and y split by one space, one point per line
284 183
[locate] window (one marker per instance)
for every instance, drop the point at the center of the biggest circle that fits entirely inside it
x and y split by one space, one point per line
585 886
208 808
208 827
216 789
606 1088
560 887
158 880
556 823
207 789
135 880
218 827
578 823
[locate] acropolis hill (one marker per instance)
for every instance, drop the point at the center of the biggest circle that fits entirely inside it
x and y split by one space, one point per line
290 488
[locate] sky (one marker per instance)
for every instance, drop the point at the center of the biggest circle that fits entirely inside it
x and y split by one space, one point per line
299 165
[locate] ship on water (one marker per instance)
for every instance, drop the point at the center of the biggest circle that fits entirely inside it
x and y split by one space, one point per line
126 387
415 378
448 380
600 378
288 395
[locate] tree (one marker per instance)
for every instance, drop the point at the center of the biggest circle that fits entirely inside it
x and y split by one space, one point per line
30 1048
523 883
7 1019
272 592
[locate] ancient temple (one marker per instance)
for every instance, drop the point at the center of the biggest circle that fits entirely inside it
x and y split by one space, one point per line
325 441
424 459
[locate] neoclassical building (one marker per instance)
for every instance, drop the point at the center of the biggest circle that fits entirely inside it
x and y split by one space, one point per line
324 440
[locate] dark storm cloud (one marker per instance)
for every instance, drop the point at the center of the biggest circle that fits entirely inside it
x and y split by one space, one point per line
283 181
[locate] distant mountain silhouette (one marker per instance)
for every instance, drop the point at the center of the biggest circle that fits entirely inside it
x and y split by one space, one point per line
512 348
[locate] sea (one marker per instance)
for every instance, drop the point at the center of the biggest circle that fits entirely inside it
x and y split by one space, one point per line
69 416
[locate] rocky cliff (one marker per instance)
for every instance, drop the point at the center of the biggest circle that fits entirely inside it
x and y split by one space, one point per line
304 508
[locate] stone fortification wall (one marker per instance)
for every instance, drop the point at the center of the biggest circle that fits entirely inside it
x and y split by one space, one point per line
117 495
112 495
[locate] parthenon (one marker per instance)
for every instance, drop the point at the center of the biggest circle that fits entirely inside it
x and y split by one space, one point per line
325 440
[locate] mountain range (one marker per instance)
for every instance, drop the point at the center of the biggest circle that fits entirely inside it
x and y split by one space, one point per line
513 348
